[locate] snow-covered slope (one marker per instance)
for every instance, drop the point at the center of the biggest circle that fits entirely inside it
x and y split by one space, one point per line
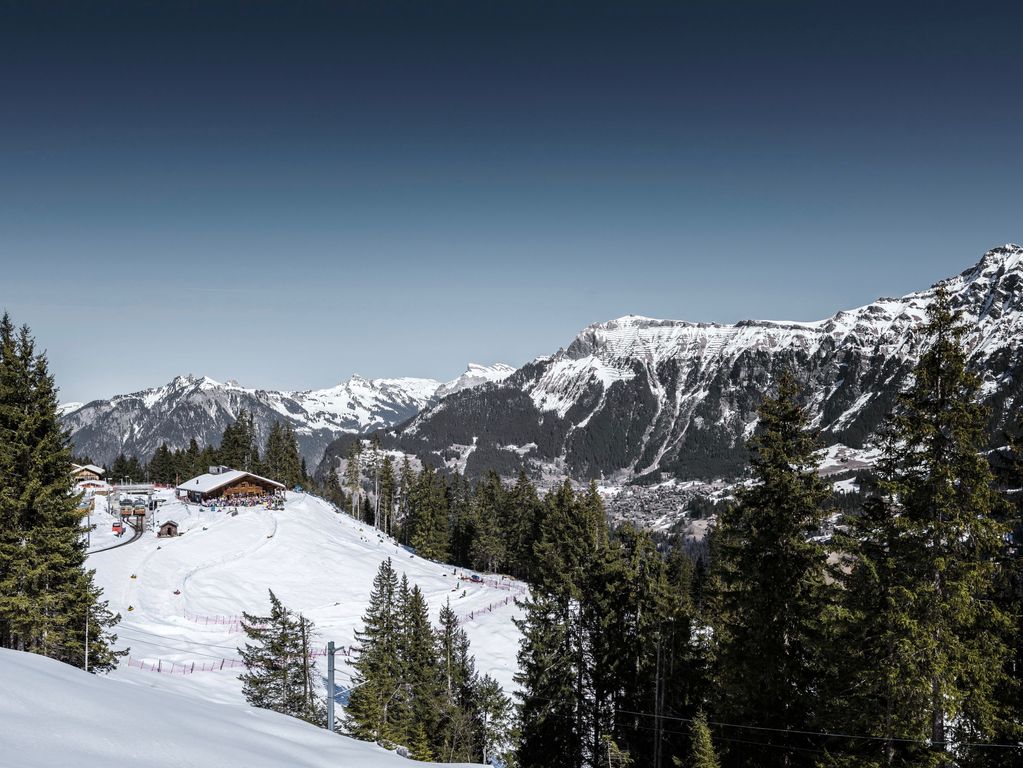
56 716
319 562
640 398
199 407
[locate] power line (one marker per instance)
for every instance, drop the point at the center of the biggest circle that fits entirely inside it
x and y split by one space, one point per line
798 732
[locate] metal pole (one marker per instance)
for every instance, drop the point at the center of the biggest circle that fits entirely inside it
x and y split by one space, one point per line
330 686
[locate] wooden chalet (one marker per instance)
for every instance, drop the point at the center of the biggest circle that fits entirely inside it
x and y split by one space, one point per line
227 484
81 472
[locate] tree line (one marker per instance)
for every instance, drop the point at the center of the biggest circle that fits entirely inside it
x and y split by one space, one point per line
416 686
239 448
412 686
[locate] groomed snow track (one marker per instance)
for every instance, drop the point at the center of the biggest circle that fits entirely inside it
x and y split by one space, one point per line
138 535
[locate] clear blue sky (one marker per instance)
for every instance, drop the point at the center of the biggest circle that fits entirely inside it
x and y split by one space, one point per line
285 193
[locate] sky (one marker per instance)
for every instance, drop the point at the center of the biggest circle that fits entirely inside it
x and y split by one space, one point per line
286 193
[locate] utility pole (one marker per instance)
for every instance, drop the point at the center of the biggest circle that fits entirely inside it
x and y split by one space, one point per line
330 686
306 689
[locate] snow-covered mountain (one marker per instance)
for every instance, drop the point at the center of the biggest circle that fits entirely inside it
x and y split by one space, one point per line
199 407
644 399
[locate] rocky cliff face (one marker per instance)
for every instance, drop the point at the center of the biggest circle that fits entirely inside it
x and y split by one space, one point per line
642 400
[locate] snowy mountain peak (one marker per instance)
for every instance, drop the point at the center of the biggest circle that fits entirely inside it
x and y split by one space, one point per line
475 375
1007 257
200 407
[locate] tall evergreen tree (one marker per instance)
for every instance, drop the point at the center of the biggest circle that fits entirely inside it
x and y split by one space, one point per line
492 712
49 603
520 523
239 447
429 516
702 754
353 476
548 676
377 674
406 492
388 492
278 663
924 566
773 597
424 697
486 548
281 458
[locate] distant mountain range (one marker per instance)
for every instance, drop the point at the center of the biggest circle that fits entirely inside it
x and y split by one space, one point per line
644 400
199 407
632 400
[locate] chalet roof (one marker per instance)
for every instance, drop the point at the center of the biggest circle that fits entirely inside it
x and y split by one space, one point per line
208 483
90 467
168 522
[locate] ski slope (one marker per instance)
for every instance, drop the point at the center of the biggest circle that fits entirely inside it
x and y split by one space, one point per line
56 716
318 562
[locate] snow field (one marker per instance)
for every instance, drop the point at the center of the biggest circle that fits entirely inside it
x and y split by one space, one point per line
56 716
319 562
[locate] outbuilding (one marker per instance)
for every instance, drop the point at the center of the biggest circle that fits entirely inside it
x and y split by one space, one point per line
168 529
228 484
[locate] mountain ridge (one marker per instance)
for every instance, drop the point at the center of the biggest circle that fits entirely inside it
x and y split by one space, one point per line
645 399
190 406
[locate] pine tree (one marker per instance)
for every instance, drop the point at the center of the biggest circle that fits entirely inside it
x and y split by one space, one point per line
492 712
377 674
333 489
388 491
281 459
458 678
419 744
353 476
406 491
420 671
239 448
520 523
429 516
487 546
463 530
373 468
702 754
773 596
279 669
548 676
47 598
924 565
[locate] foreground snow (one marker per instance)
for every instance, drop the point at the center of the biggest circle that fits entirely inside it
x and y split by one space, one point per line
55 716
319 562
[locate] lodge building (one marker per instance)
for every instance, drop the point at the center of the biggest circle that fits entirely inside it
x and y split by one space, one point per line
82 472
227 484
